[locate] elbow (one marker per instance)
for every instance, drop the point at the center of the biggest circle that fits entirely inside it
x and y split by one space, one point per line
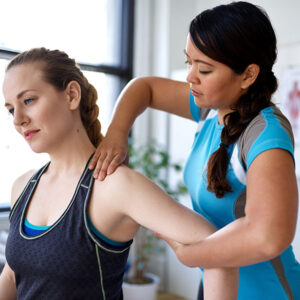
273 246
186 258
269 238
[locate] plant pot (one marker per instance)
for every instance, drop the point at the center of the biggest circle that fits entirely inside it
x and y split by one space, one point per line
146 291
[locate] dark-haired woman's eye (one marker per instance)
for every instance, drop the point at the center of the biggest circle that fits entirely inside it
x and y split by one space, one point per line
11 111
204 72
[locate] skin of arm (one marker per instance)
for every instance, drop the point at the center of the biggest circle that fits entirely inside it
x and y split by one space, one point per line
8 289
137 200
268 226
129 194
155 92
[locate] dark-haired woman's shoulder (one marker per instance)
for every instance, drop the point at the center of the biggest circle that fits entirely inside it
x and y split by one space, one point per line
269 129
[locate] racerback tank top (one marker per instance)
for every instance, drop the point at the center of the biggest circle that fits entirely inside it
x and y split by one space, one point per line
67 261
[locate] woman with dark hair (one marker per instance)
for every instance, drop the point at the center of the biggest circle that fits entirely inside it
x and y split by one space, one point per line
70 235
240 172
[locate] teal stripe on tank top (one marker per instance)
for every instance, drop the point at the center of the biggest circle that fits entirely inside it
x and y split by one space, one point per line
103 237
91 225
31 226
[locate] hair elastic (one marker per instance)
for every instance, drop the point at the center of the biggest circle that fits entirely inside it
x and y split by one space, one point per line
222 145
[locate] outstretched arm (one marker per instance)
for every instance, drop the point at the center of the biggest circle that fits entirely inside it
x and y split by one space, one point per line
155 92
141 200
148 205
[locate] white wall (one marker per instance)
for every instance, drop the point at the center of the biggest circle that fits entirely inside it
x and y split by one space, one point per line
161 29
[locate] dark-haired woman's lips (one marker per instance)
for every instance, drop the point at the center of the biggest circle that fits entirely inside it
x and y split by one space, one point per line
196 94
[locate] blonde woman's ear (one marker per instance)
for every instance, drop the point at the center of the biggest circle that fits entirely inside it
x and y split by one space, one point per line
73 91
250 75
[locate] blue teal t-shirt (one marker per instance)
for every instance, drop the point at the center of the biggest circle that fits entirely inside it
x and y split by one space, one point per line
276 279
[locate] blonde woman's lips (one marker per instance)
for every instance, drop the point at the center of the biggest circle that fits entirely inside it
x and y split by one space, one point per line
28 134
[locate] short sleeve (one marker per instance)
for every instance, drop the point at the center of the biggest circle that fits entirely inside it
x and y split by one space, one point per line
195 109
269 130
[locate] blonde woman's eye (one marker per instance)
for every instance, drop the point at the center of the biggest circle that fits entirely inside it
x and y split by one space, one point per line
28 100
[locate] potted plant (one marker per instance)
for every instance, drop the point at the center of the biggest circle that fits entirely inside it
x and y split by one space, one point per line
154 162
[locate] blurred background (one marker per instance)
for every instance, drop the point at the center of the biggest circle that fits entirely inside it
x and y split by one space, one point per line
114 41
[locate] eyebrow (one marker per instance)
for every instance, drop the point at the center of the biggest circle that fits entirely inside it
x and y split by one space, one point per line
19 96
23 92
198 60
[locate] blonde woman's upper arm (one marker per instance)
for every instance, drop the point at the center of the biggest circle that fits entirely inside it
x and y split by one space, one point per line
169 95
149 206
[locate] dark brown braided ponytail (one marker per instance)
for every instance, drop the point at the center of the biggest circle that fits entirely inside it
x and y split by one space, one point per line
237 35
59 69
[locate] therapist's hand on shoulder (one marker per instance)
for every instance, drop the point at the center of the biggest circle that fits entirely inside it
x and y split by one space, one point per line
111 152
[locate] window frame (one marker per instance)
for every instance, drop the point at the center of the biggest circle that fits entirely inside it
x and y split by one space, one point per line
123 70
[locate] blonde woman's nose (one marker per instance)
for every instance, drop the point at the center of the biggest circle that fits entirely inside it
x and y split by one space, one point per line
19 117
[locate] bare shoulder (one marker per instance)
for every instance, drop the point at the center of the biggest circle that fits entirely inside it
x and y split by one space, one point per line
122 177
123 174
120 185
19 184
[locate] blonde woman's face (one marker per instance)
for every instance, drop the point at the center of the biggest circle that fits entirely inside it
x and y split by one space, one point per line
40 113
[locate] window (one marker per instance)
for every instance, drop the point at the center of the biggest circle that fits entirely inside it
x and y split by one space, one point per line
97 33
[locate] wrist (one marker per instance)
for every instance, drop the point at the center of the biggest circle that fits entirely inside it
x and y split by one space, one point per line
115 131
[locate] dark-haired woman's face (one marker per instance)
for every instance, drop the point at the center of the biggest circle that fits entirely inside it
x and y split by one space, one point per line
39 111
213 84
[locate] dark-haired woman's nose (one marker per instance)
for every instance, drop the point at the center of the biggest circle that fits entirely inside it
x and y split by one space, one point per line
192 75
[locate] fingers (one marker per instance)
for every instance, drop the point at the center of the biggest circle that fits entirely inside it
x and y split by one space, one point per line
117 160
173 244
100 172
126 161
94 159
108 156
158 235
170 242
106 165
